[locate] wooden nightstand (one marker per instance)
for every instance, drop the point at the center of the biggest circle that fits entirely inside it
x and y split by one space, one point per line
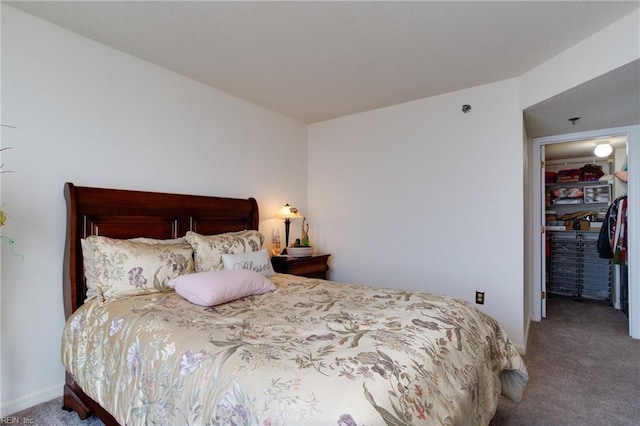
311 266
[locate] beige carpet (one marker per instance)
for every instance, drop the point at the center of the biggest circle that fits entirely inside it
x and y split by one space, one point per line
584 370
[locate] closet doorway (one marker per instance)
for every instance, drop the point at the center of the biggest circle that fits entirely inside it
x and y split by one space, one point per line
568 211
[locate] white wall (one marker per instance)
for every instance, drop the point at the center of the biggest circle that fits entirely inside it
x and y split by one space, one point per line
529 235
450 185
91 115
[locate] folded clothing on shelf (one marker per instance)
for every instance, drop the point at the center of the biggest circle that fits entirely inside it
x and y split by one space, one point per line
568 175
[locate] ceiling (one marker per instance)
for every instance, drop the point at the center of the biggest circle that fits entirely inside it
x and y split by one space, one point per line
611 100
315 61
583 149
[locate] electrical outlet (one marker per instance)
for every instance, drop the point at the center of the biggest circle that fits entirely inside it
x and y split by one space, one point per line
480 297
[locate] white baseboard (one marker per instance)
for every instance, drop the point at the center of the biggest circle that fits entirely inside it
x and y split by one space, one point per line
7 408
522 349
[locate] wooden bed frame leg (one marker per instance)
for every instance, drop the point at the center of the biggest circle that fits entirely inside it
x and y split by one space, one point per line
71 402
74 399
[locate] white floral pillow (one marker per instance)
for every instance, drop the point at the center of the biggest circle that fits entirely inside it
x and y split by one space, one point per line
126 268
88 261
208 249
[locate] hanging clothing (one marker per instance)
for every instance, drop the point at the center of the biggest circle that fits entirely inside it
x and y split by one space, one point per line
612 240
619 243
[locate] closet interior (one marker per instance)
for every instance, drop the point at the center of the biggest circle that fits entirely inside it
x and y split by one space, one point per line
585 220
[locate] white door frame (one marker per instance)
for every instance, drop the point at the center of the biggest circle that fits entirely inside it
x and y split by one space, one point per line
633 190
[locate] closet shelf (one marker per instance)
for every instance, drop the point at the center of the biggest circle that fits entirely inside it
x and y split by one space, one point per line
579 183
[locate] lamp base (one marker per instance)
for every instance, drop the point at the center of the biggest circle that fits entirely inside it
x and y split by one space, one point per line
287 224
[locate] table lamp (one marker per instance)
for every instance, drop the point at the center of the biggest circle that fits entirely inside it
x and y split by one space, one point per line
287 213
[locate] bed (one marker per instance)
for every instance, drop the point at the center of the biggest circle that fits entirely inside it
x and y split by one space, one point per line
305 351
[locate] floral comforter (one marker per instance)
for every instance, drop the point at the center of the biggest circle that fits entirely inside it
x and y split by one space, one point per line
312 352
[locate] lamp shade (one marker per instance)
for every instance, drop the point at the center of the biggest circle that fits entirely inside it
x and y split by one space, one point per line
288 212
603 150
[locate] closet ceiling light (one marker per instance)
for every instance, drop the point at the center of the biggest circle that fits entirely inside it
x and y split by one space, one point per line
603 150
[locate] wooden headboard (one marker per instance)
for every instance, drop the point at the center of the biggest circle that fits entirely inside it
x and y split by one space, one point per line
119 213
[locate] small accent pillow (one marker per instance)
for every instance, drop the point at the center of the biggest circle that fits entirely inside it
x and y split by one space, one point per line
257 261
88 261
125 268
217 287
208 249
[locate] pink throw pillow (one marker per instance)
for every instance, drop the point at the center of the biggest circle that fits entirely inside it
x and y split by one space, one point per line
217 287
